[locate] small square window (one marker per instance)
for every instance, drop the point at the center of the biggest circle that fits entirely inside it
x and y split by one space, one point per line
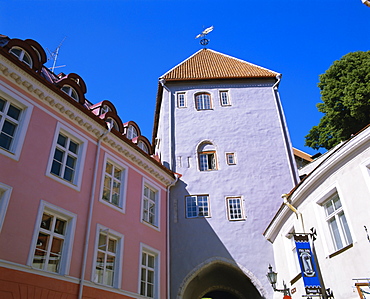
230 158
224 98
181 102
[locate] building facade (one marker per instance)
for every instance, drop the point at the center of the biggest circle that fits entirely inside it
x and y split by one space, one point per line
333 201
83 205
219 124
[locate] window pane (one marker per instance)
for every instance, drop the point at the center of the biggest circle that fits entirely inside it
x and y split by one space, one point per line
56 167
117 173
108 168
14 112
345 228
68 174
46 221
112 245
9 128
39 259
60 226
102 241
2 104
335 232
329 208
62 140
5 141
73 147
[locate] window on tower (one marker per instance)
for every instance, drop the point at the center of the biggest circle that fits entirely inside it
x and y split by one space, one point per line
203 101
207 157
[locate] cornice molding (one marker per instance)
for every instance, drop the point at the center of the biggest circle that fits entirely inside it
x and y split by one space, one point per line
67 110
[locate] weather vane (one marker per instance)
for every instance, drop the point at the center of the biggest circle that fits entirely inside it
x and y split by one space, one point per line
204 41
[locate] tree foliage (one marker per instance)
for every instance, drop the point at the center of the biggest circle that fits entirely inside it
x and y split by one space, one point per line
345 95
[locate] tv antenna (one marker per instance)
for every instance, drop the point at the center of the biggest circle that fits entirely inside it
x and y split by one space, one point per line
54 56
204 41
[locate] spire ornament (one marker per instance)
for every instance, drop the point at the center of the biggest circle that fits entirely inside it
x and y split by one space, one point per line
204 41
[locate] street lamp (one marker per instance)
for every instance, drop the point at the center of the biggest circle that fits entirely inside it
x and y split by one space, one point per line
272 277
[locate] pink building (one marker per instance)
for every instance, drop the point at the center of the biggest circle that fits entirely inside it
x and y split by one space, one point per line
83 205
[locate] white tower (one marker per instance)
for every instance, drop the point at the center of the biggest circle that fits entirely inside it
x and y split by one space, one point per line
219 123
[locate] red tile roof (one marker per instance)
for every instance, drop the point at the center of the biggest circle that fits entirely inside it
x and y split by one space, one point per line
209 64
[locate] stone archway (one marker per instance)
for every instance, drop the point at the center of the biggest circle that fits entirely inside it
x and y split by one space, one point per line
218 279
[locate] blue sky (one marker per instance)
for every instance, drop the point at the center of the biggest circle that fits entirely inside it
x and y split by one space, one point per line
120 48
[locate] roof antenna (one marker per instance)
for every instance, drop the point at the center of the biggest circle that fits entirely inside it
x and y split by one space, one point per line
54 56
204 41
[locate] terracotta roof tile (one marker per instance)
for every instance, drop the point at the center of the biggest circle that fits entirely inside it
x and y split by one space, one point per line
209 64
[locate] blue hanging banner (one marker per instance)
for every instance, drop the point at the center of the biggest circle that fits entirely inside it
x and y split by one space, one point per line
307 263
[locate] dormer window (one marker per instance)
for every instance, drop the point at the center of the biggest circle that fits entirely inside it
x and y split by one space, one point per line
203 101
105 109
131 132
70 91
114 123
22 55
143 146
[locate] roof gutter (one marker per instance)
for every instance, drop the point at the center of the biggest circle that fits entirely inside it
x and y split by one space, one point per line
286 200
170 122
284 129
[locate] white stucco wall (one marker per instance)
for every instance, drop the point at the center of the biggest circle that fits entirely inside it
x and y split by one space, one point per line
345 171
252 129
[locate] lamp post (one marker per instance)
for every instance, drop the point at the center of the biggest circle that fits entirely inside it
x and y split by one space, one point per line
272 277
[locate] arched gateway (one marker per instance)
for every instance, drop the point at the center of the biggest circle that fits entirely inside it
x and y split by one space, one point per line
218 279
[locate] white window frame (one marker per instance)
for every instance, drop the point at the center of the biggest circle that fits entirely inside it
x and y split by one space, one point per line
66 255
121 207
345 236
142 145
222 98
21 55
202 104
157 257
198 212
82 142
71 92
230 209
5 193
157 190
228 161
117 278
181 99
131 132
23 122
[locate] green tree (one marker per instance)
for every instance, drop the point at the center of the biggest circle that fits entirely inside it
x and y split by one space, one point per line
345 95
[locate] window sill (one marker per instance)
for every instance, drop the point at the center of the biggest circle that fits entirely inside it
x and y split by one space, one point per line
341 250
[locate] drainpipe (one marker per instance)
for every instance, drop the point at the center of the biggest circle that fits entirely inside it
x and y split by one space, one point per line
299 214
170 127
287 142
91 208
177 176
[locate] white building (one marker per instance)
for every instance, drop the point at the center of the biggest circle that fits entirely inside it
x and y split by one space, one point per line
219 123
334 199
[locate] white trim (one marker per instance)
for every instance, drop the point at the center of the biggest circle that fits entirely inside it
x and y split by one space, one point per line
23 121
69 235
243 214
158 197
5 193
157 267
123 192
228 97
365 168
83 143
117 278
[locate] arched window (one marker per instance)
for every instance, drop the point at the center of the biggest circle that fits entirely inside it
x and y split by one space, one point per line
70 91
105 109
131 132
143 146
203 101
22 55
114 123
207 157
